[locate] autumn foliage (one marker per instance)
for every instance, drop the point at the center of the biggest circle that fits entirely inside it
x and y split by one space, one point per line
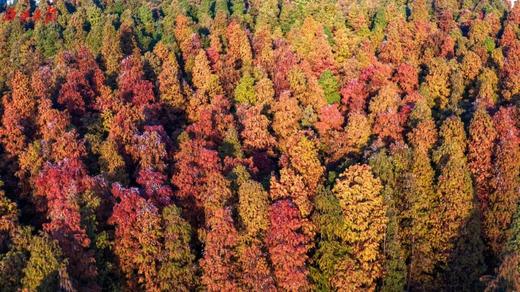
262 145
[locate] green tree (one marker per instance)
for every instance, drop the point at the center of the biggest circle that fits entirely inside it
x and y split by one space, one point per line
245 90
330 248
330 86
48 39
45 266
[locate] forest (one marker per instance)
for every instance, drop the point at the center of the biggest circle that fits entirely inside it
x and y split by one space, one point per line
259 145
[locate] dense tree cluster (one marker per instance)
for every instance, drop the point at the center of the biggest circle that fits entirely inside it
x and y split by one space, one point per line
260 145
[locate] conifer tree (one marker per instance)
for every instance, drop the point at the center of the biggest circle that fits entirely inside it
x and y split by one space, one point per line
219 266
359 196
111 49
455 191
504 198
480 155
287 246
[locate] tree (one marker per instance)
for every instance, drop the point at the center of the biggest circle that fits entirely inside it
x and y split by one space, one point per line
504 198
188 40
256 273
330 86
471 65
18 117
487 88
508 275
82 85
151 148
206 83
509 74
62 185
48 38
220 270
287 246
194 164
238 56
264 91
422 211
155 187
330 248
303 157
111 49
384 111
354 96
255 133
284 60
291 185
253 202
178 269
133 87
245 91
198 164
12 257
437 82
364 212
287 115
94 39
137 238
170 81
422 201
407 76
391 168
330 119
52 123
357 131
480 155
310 42
455 190
46 265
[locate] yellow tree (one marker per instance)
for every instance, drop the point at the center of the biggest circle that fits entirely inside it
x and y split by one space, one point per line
303 156
111 49
359 195
253 211
425 227
459 244
437 82
206 83
170 85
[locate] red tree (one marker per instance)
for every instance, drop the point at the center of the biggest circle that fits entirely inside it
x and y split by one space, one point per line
407 76
84 81
137 237
354 96
480 154
62 185
133 87
287 246
194 164
504 199
155 187
219 266
330 118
